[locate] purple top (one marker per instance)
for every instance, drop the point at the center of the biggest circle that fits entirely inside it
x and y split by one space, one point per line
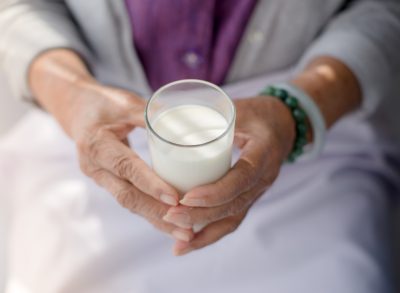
178 39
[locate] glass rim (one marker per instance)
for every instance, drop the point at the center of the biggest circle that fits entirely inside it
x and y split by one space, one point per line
217 88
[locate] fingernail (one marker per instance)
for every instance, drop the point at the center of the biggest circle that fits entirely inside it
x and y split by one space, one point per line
181 220
182 252
180 248
169 200
194 202
180 235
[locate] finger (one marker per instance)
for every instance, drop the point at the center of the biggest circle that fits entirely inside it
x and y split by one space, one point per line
179 234
110 153
209 235
130 197
241 178
152 210
186 217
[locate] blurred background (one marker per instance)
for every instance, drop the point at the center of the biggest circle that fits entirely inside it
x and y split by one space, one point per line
11 111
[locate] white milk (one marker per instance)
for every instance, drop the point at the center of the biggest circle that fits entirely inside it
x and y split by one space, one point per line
188 167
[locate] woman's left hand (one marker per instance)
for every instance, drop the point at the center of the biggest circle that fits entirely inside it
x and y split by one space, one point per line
265 133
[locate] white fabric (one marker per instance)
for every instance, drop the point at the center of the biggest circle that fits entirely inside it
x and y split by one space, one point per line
320 228
10 111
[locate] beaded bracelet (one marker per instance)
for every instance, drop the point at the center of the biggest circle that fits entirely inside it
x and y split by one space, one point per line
315 118
299 117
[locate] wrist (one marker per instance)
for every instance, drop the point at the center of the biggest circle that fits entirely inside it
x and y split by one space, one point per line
55 73
56 78
279 119
332 86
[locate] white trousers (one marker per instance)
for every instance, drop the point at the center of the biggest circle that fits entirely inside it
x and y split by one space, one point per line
322 227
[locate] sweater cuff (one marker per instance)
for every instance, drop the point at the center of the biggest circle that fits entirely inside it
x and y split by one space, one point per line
362 57
45 33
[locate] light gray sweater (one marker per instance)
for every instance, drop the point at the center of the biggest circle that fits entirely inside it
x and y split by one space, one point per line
364 34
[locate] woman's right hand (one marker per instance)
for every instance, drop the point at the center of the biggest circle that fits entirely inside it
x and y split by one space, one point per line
99 119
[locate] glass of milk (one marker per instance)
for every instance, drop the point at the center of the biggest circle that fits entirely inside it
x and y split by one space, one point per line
190 127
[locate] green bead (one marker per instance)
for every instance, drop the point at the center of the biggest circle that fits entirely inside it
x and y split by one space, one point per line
291 158
297 152
270 91
302 128
299 115
301 142
282 94
292 102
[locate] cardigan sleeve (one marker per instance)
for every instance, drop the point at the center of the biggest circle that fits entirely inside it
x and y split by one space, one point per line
27 29
365 37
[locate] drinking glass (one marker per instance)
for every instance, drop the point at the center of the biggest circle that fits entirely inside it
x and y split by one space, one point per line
190 125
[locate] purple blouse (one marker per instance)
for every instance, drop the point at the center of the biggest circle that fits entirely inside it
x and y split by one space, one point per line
177 39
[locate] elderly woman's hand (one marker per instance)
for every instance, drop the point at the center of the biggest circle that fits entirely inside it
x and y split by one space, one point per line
265 132
102 119
98 119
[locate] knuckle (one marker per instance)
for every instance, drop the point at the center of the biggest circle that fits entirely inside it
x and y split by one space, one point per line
88 147
125 167
222 193
213 215
100 177
160 226
122 165
142 205
234 208
247 174
97 176
238 206
217 196
137 174
127 199
208 218
156 212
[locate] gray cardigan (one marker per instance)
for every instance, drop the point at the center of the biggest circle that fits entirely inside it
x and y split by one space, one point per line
364 34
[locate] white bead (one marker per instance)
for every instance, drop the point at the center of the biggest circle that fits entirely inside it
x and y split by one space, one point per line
191 59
